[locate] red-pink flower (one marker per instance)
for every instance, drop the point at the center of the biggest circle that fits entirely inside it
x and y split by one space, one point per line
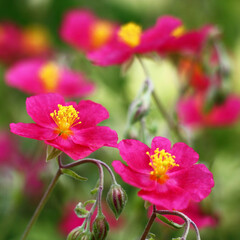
195 212
166 176
191 111
82 29
10 42
70 220
67 126
188 42
38 76
130 40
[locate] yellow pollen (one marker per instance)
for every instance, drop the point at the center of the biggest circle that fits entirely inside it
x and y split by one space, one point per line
179 31
130 34
65 118
101 32
49 75
35 39
161 162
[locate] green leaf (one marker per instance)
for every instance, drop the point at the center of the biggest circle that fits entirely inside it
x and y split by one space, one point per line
52 153
170 222
91 201
73 174
94 191
81 211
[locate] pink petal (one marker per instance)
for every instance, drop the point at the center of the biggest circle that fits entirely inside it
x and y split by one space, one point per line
39 108
96 137
134 153
111 54
74 84
31 130
75 151
161 143
133 178
91 113
24 76
185 155
196 180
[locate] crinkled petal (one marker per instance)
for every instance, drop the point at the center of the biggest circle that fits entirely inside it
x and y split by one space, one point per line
96 137
133 178
196 180
39 108
161 143
185 155
91 113
134 153
72 149
31 130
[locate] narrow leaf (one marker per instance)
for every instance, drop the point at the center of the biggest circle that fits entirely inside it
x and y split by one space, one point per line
170 222
73 174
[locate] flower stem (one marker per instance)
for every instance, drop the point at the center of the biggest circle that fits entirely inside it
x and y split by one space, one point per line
41 204
196 230
172 125
149 224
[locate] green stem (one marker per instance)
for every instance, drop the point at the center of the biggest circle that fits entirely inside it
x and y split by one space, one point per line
41 204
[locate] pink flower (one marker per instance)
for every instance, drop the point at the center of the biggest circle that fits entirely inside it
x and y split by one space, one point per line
67 126
39 76
166 176
191 112
188 42
82 29
130 40
195 212
10 42
70 220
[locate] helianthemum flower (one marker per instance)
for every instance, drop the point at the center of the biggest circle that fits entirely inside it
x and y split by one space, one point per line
130 40
82 29
166 176
39 76
69 127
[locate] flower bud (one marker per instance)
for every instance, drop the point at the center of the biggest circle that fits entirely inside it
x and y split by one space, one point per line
100 228
79 233
116 199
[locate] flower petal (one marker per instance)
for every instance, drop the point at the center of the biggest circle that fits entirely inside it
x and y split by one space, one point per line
31 130
39 108
133 178
161 143
134 153
96 137
75 151
91 114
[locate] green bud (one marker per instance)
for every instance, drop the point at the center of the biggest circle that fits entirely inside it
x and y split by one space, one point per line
100 227
116 199
79 233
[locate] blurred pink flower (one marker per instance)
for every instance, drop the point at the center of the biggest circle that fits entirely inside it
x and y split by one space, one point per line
70 220
67 126
195 213
10 42
82 29
38 76
130 40
165 175
191 112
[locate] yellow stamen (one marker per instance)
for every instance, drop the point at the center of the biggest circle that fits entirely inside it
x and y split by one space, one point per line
101 32
49 75
65 118
130 33
161 162
179 31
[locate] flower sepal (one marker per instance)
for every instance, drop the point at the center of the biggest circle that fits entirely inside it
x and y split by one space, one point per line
79 233
100 227
52 153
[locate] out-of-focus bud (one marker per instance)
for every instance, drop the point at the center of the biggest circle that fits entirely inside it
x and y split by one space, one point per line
100 228
116 199
79 233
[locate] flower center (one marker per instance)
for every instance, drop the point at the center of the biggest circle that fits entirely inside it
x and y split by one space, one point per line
100 33
130 34
35 40
179 31
161 162
65 118
49 75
